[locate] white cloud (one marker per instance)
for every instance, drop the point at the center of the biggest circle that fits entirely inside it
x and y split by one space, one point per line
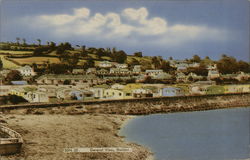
130 26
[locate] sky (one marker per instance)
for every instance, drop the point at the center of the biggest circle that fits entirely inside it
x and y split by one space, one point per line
177 28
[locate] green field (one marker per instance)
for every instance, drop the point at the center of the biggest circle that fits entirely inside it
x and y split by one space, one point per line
37 60
8 64
15 52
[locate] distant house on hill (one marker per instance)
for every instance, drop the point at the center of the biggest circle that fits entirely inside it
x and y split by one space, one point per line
154 72
105 64
119 65
70 79
78 71
26 71
172 91
137 69
212 74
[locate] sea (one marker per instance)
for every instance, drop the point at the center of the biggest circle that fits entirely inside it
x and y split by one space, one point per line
222 134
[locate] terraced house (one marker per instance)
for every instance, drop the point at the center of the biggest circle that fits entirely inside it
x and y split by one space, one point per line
69 79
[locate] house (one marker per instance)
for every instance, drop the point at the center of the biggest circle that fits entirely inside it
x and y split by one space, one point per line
198 89
212 74
78 71
181 77
154 72
81 94
50 90
68 79
113 94
119 71
98 90
91 71
105 64
137 69
194 65
193 76
237 88
119 65
171 92
26 71
1 80
30 94
142 93
36 96
103 72
242 76
163 76
117 86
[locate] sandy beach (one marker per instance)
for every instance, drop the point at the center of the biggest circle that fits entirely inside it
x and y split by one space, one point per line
46 135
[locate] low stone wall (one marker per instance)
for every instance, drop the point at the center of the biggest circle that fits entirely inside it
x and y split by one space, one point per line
168 105
147 105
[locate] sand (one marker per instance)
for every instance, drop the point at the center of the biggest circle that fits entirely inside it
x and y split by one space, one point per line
45 136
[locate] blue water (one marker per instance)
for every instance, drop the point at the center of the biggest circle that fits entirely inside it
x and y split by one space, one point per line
206 135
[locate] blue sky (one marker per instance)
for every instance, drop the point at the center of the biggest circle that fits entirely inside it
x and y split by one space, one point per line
166 28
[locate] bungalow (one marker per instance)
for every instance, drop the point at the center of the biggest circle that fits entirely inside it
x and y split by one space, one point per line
26 71
119 71
137 69
142 92
70 79
153 72
105 64
81 95
37 97
113 94
117 86
91 71
163 76
119 65
78 71
103 72
212 74
171 92
181 77
50 90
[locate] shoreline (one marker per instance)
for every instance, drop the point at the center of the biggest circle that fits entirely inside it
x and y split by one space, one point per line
45 136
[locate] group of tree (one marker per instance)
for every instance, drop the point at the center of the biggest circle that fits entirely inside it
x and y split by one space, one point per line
229 65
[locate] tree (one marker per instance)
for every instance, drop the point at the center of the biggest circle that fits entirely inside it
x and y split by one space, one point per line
227 65
196 59
89 64
165 66
17 40
244 66
170 58
119 56
39 42
134 62
156 62
138 54
1 64
14 75
24 41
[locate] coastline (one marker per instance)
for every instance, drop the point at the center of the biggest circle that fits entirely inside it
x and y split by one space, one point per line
45 136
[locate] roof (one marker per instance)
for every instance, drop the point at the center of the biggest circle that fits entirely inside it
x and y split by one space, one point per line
19 82
69 77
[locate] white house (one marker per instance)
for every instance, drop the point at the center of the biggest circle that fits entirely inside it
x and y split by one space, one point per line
26 71
119 65
105 64
154 72
137 69
213 74
37 96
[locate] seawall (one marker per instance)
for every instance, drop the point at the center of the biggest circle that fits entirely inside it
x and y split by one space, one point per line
144 106
173 104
